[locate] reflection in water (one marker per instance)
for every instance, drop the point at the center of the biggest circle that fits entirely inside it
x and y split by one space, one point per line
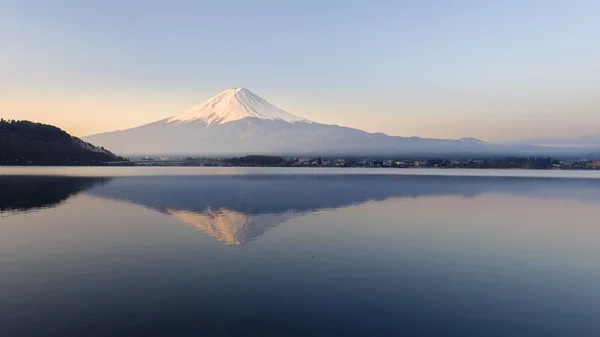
30 193
238 209
415 256
231 227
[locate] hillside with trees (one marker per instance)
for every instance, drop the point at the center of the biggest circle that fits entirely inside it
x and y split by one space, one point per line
29 143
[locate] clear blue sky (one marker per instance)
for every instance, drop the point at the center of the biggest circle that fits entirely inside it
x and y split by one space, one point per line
490 69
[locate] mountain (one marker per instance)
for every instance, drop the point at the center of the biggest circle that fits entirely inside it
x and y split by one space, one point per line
24 142
472 140
239 122
233 105
580 141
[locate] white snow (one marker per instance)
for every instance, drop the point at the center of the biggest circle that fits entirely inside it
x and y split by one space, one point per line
471 140
232 105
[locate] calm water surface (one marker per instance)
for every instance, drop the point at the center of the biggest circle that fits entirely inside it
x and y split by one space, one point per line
96 252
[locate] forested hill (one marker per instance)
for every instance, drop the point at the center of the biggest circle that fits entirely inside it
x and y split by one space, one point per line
28 143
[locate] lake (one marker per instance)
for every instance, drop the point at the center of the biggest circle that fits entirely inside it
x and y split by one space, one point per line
307 252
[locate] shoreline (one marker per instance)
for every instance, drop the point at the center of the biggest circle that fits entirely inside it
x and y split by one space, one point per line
174 165
314 167
145 171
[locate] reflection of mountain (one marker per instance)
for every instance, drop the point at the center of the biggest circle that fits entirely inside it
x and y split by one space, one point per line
238 209
231 227
26 193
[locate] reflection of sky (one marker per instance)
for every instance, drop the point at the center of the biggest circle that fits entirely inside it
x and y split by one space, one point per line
559 227
239 209
516 262
280 193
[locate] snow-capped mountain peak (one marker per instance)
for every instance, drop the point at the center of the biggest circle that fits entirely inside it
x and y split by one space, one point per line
237 121
472 140
235 104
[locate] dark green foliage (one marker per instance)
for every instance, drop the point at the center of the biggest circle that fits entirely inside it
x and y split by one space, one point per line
257 161
28 143
537 163
350 162
435 162
534 162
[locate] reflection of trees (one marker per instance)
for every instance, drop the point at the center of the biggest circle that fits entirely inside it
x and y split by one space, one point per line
24 193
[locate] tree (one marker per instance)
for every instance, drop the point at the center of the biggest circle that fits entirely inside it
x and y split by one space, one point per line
36 143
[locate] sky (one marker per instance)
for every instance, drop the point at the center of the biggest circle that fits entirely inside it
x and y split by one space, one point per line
495 70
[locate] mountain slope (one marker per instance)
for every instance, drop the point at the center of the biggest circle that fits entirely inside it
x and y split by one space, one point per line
24 142
239 122
232 105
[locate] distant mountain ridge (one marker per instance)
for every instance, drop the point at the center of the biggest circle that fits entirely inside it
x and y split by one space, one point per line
24 142
578 141
472 140
239 122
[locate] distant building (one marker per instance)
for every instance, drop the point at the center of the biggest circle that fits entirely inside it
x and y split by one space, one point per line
594 164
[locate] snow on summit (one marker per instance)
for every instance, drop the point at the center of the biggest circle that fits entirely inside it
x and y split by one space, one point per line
237 121
232 105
